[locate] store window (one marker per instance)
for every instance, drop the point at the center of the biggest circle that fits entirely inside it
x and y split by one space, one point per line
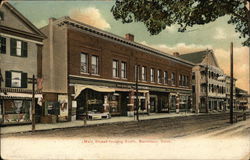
173 78
158 76
94 64
2 45
152 75
124 70
17 110
165 77
16 79
144 73
18 48
84 63
115 69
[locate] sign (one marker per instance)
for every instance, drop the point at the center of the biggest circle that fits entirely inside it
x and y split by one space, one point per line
94 101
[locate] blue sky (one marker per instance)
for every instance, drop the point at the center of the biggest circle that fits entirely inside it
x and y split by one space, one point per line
216 35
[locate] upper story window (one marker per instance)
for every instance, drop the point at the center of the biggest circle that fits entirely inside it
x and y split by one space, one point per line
180 80
173 78
15 79
94 64
158 76
152 75
2 45
18 48
165 77
123 70
115 68
144 73
84 63
1 16
188 81
137 72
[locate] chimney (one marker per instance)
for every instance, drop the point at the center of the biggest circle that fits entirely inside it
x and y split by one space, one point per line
129 37
176 54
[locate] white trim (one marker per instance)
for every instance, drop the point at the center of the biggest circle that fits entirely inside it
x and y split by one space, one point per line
20 38
162 86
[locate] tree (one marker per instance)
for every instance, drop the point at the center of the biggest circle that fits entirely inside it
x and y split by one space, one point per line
157 14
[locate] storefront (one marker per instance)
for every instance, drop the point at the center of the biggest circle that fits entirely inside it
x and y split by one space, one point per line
16 108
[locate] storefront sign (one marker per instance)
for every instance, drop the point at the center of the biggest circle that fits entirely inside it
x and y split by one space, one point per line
94 101
123 86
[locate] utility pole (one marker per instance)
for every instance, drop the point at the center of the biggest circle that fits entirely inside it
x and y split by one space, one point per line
248 18
136 87
231 83
206 70
33 103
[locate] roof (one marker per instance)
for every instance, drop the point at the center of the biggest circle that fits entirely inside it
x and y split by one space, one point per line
108 35
24 20
195 57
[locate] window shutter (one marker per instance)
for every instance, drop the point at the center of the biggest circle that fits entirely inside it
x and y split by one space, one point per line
7 78
24 49
12 47
3 45
24 80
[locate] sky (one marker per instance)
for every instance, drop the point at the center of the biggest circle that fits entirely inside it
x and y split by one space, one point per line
216 35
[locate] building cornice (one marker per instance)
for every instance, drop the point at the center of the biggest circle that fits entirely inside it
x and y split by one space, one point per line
70 22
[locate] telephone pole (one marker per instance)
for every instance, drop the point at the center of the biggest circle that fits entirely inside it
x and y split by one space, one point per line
33 103
136 87
231 83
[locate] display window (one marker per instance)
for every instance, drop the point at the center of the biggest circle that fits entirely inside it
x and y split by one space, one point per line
17 110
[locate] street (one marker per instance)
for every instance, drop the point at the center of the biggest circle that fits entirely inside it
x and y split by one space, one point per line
197 137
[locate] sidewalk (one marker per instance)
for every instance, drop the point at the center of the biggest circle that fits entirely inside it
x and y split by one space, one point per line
80 123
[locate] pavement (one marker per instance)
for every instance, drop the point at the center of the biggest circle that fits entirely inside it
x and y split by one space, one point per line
80 123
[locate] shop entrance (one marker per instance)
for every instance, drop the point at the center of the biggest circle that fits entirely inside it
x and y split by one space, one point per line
153 104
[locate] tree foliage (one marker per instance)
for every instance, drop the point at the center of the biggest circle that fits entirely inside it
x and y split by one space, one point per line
158 14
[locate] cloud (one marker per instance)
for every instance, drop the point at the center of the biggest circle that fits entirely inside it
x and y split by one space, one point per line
180 47
241 64
41 23
220 34
90 16
241 60
171 29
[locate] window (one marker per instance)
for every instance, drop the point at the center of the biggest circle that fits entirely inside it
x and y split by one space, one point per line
183 80
152 75
180 80
16 79
165 77
1 16
94 64
137 72
173 78
84 63
158 76
18 48
2 45
123 70
115 69
144 73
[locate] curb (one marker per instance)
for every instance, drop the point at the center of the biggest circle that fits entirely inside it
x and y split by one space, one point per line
118 122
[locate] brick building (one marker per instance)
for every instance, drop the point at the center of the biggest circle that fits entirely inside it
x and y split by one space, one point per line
93 70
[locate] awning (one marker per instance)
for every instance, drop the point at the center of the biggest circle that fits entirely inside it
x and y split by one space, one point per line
19 95
80 88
